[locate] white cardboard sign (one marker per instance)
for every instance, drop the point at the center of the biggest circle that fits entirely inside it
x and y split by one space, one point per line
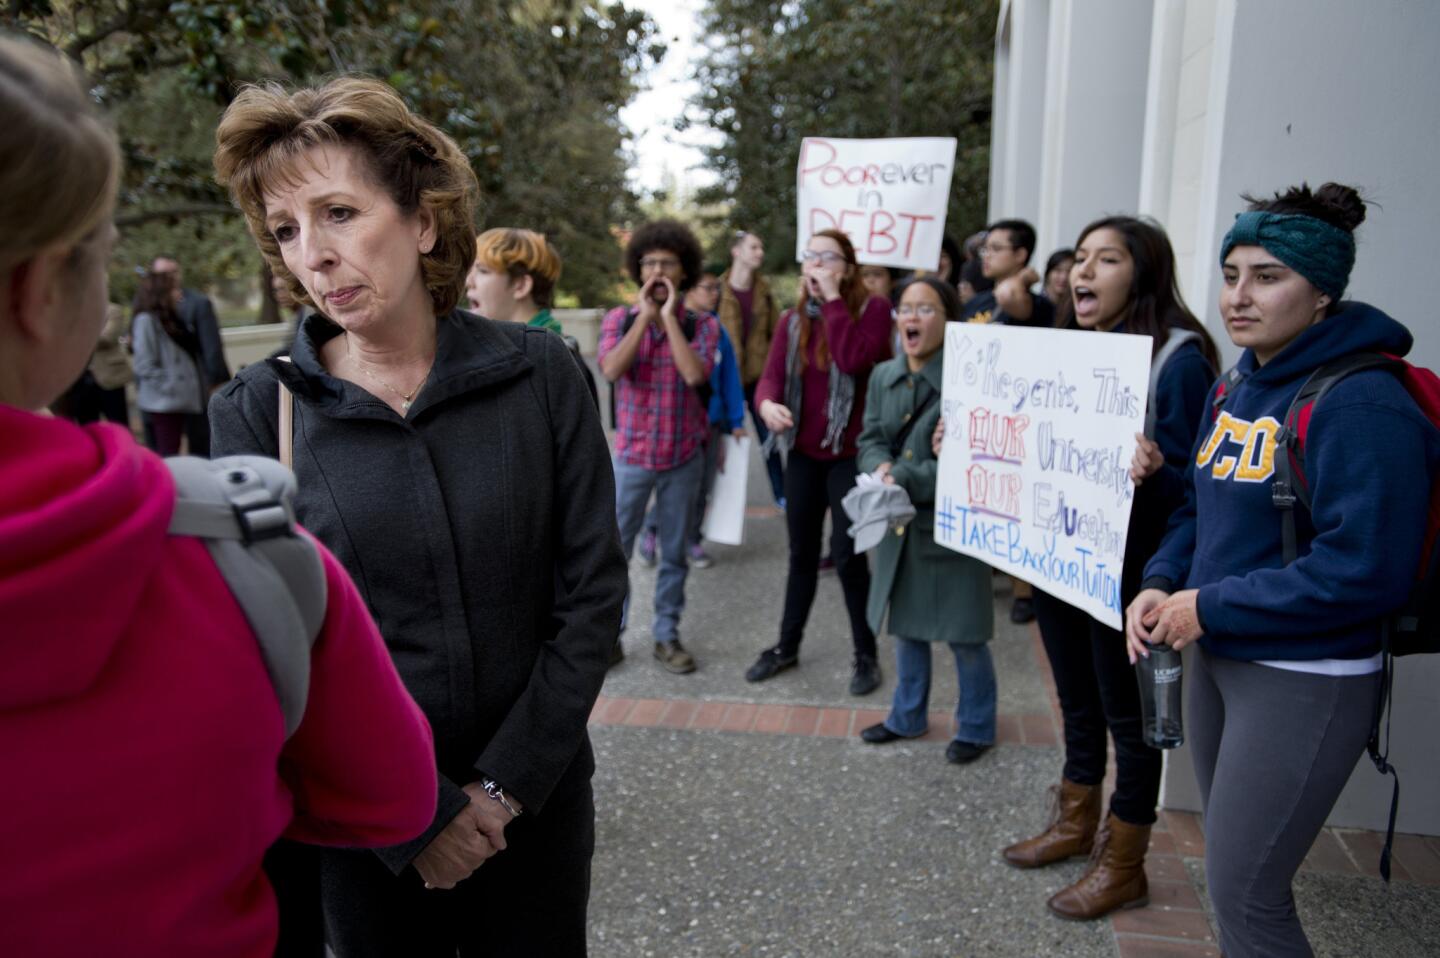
1035 468
889 196
725 519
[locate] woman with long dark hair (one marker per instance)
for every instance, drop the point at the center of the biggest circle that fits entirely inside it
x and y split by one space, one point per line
812 399
1284 683
169 384
1123 280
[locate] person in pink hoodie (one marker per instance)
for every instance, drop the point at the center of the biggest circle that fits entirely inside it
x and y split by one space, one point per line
146 764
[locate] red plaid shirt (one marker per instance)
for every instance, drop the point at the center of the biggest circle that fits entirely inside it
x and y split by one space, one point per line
659 421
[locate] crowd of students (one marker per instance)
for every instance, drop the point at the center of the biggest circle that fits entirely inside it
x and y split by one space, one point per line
454 478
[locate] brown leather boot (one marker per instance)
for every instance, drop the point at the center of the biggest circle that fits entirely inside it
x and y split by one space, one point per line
1074 816
1115 878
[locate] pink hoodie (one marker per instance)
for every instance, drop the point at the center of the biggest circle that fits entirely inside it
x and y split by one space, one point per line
145 766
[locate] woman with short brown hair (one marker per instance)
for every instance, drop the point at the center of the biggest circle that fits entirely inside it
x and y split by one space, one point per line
457 468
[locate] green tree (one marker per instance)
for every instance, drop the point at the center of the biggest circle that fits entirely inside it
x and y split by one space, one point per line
531 89
776 71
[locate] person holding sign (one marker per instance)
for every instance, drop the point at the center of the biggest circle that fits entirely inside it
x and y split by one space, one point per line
1284 682
811 398
933 594
1123 280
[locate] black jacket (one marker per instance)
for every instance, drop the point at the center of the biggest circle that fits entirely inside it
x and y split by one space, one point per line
481 531
198 313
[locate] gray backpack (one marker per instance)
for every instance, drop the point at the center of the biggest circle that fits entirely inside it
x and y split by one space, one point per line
1173 342
241 506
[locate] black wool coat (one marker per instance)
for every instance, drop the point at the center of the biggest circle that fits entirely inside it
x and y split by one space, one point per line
480 528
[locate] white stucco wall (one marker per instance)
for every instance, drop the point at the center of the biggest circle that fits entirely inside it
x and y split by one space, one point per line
1323 90
1177 107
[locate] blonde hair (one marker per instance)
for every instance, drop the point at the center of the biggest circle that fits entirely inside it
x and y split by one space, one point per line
519 253
266 131
59 160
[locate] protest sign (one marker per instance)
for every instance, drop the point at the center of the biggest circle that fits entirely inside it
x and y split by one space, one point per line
1035 468
725 519
889 196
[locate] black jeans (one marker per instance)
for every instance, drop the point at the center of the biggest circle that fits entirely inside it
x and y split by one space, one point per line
1098 691
811 487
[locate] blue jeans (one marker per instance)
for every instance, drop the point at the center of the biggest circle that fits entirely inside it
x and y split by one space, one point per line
975 713
674 506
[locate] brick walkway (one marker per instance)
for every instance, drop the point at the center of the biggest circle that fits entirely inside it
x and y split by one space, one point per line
1175 923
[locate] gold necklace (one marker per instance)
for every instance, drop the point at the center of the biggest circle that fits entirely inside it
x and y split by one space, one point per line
364 367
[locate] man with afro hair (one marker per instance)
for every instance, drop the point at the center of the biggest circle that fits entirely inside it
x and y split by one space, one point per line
659 356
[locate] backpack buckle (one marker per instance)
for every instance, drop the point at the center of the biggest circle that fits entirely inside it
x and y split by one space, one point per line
260 516
1281 495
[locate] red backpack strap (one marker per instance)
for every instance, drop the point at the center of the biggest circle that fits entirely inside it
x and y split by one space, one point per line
1290 486
1233 377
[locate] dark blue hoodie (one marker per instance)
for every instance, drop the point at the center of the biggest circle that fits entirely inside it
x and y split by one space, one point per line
1369 457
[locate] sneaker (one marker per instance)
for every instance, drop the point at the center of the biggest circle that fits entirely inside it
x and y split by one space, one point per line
1022 611
827 564
866 677
699 558
647 548
963 753
770 664
617 654
673 658
780 503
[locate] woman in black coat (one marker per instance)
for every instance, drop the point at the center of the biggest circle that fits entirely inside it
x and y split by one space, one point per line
458 469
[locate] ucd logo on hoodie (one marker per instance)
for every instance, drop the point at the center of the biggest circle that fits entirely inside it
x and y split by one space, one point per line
1240 450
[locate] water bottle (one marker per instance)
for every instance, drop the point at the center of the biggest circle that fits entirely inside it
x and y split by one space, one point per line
1159 677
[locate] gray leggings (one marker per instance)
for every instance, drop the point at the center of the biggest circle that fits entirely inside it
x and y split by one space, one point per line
1272 751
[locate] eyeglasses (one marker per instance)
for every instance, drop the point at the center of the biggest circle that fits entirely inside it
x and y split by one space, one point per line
988 250
924 311
709 287
822 256
663 263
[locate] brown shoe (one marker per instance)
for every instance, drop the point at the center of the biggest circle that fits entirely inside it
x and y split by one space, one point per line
673 658
1115 878
1074 816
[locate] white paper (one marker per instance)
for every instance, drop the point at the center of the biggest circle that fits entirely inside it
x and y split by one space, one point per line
1035 468
725 519
888 195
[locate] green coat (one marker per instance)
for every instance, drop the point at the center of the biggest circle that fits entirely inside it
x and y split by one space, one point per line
933 592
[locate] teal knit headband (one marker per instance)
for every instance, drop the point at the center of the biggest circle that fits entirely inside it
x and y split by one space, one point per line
1321 253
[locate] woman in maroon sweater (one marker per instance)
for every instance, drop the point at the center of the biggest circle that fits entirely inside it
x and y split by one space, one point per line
812 397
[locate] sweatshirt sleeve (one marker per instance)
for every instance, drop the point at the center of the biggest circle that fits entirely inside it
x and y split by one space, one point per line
772 381
857 345
1182 412
725 383
361 766
1369 465
545 728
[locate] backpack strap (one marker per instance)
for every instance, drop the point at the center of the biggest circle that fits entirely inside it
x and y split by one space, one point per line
1233 378
898 442
241 507
1290 487
1174 339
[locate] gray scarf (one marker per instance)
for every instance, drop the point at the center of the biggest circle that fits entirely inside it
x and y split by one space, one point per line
838 404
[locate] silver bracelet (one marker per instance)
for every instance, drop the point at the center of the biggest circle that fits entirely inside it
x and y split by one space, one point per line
493 789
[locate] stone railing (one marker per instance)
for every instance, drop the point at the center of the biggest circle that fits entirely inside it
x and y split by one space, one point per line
250 344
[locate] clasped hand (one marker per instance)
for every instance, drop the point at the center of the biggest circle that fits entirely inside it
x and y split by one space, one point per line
472 837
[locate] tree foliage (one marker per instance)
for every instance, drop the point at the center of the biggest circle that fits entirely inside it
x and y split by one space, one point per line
531 90
776 71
